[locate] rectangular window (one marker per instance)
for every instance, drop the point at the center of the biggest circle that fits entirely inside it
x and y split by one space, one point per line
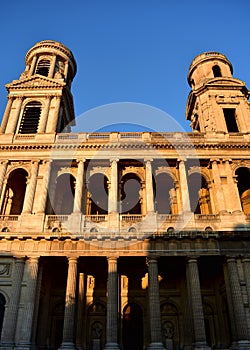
230 119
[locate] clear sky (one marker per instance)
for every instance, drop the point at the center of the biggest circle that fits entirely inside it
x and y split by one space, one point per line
135 51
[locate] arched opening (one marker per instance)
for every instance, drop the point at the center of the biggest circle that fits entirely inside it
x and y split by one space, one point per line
43 67
131 196
216 71
132 327
15 192
64 194
30 118
199 194
243 183
97 196
2 310
165 194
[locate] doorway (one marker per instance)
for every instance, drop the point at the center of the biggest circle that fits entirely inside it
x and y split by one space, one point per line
132 327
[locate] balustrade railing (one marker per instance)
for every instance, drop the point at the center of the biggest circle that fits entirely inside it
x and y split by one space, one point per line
96 218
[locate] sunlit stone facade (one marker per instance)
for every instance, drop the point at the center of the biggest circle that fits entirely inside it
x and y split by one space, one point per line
124 240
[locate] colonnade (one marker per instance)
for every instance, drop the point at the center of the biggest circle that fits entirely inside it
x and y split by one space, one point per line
26 276
216 193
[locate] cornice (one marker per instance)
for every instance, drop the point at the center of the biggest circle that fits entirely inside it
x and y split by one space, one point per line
36 82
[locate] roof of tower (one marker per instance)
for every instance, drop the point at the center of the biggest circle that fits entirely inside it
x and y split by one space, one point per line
52 44
208 56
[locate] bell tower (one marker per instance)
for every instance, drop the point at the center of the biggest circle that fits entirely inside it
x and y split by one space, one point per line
218 102
40 101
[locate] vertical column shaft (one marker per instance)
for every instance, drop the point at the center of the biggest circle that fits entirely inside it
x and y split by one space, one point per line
184 187
31 272
149 187
3 167
45 185
154 305
10 319
246 269
30 190
11 126
44 116
196 303
233 198
32 67
112 305
237 302
112 205
80 311
52 67
79 187
218 194
70 301
52 122
6 113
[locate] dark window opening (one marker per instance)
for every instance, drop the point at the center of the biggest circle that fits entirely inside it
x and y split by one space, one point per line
2 310
43 67
216 71
30 118
230 118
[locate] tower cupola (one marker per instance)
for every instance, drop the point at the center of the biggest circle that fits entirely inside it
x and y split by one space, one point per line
218 102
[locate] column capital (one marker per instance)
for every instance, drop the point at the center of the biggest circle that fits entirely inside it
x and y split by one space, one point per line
72 259
114 160
148 160
193 258
81 160
112 257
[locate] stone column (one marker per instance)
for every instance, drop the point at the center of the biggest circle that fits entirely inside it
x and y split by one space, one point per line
10 319
196 304
44 116
52 67
184 187
32 67
11 126
3 167
246 269
55 115
154 305
66 68
149 188
234 197
80 311
70 304
112 306
218 193
241 329
6 113
31 272
45 186
79 187
30 190
113 192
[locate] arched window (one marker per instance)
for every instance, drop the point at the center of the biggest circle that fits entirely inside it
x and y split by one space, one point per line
30 119
243 177
216 71
64 194
97 201
2 310
199 194
15 192
165 195
43 67
131 196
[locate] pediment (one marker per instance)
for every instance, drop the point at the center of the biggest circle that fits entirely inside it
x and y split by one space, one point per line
36 82
226 81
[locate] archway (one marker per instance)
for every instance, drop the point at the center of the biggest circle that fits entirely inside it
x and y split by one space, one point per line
243 175
199 194
97 201
165 196
15 192
64 194
131 196
132 327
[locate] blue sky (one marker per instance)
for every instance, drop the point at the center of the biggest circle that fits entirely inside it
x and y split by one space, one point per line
136 51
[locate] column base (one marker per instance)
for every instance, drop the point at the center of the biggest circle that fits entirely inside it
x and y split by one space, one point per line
111 346
7 346
67 346
240 345
200 346
155 346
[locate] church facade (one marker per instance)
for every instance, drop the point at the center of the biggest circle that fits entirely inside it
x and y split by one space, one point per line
124 240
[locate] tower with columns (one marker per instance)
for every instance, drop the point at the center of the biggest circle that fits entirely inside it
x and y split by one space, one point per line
124 240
